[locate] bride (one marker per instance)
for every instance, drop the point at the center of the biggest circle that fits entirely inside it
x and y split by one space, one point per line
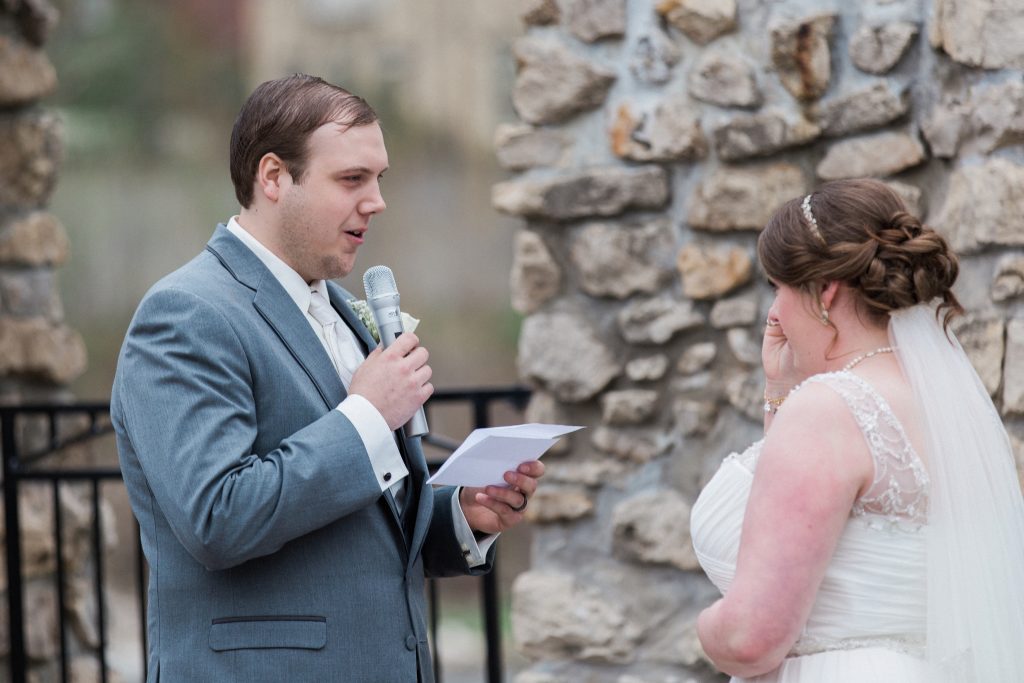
876 532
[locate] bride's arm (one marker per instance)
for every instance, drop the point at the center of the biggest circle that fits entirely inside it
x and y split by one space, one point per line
813 465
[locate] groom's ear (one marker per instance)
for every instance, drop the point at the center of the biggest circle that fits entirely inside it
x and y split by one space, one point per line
270 174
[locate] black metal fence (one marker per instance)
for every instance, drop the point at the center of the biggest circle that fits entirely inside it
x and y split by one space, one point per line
32 437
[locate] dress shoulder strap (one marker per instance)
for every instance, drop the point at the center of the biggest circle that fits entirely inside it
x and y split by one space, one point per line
900 487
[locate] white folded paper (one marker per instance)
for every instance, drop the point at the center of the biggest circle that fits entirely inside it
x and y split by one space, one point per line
486 454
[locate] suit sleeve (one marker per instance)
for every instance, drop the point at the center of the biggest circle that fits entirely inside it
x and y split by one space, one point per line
184 404
443 555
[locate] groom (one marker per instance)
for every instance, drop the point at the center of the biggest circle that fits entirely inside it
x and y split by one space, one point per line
286 519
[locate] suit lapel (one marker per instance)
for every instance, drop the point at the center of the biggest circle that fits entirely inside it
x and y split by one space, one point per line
424 497
281 314
291 327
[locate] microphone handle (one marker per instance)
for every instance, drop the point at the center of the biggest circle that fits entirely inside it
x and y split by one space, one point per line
417 424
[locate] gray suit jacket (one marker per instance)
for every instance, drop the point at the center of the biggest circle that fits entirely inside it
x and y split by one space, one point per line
273 554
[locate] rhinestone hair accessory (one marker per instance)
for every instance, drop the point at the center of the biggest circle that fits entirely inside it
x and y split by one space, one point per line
812 223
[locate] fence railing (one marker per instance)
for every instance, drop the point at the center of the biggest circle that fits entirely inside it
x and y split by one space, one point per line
33 436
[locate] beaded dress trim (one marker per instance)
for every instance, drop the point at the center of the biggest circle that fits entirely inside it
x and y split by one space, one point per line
899 492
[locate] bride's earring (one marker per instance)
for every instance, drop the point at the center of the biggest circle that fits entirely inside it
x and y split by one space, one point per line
824 316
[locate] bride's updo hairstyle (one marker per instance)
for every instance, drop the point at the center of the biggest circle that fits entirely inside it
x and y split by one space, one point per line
859 232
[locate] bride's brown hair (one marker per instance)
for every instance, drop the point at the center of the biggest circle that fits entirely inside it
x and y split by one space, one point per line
865 237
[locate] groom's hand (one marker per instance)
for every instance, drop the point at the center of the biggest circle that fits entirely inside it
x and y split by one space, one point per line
396 380
493 509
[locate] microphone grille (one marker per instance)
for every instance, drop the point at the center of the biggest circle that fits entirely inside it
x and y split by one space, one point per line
379 280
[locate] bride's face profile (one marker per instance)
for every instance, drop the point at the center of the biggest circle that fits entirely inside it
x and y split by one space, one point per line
799 318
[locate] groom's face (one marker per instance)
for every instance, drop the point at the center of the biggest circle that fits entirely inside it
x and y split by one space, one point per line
325 217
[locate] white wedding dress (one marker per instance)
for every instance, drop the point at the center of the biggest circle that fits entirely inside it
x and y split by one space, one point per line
869 618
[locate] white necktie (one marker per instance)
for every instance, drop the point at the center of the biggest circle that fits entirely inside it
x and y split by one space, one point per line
345 358
339 346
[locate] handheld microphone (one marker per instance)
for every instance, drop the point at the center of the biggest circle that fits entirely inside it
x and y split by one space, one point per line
382 297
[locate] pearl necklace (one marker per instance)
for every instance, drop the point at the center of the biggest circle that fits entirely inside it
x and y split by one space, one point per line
858 359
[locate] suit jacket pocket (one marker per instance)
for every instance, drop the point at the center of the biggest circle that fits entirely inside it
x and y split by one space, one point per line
261 632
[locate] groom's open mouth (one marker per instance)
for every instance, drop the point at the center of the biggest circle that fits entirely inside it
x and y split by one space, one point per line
358 234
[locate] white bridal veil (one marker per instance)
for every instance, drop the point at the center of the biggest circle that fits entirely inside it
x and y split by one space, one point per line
976 512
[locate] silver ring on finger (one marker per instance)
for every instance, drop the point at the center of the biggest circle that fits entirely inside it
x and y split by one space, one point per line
521 507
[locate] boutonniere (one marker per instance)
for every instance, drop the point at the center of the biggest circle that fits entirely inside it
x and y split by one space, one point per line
365 315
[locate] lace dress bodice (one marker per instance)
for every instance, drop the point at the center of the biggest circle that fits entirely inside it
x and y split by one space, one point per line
873 594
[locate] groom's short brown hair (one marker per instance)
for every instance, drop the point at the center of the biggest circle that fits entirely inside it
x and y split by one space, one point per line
279 117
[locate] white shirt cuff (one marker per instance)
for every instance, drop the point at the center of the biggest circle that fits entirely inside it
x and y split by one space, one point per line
379 441
474 551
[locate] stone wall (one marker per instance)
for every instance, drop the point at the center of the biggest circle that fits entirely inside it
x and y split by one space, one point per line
655 140
39 353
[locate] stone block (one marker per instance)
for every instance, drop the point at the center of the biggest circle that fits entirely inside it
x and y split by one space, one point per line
35 19
945 127
619 260
536 276
677 643
860 110
648 368
628 406
36 347
694 417
653 56
556 617
877 155
604 191
911 196
553 83
1013 371
26 74
29 157
710 272
38 550
732 312
981 33
696 358
757 135
519 147
632 444
732 198
655 321
559 504
654 527
591 20
543 408
983 206
563 354
1008 282
41 640
86 669
744 347
801 55
877 49
998 116
701 20
540 12
30 292
982 340
670 130
36 238
744 392
725 79
590 472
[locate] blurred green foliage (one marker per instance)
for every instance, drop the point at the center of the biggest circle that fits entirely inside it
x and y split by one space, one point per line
128 66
